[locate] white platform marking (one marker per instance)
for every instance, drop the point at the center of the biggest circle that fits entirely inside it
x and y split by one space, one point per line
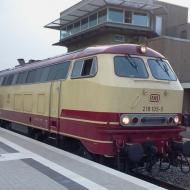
67 173
110 171
12 156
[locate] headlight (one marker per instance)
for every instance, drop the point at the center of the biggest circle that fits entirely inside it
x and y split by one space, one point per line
177 119
143 49
124 120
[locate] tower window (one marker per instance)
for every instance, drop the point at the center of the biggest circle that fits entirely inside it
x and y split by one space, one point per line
93 20
140 19
183 34
116 15
84 24
102 16
128 17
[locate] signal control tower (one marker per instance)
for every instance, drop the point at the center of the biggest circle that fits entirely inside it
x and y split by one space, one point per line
99 22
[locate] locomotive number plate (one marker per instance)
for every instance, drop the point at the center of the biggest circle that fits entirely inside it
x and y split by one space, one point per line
154 98
152 109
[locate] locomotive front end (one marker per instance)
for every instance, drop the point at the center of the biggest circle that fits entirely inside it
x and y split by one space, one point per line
148 97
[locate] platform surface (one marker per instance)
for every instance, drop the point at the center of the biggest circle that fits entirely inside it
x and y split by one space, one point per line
26 164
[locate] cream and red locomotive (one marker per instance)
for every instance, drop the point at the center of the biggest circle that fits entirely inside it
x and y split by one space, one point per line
120 101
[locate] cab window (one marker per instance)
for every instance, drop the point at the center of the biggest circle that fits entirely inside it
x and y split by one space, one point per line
132 67
84 68
161 70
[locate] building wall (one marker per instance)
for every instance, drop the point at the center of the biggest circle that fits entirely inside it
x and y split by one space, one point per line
184 28
177 52
92 41
105 38
177 15
186 101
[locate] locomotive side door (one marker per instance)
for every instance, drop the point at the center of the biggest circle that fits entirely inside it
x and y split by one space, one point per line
55 90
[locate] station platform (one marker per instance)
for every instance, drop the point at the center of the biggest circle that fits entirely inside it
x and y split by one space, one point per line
26 164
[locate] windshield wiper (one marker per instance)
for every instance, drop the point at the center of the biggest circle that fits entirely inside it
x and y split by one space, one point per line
164 67
132 63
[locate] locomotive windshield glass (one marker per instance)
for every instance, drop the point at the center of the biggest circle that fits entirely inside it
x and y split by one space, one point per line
161 70
132 67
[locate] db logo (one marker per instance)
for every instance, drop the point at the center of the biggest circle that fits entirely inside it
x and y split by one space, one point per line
155 98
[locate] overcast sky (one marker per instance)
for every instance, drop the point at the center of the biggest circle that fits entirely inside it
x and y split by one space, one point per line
22 32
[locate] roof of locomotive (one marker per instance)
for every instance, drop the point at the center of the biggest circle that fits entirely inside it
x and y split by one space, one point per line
127 49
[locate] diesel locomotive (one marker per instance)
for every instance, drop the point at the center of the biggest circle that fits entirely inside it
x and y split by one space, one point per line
122 102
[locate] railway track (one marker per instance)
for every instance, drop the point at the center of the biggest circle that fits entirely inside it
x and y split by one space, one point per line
157 182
